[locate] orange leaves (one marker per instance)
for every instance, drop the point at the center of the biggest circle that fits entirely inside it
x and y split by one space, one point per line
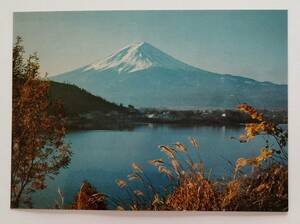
264 190
252 129
251 111
231 193
261 187
190 188
261 126
265 154
241 162
254 162
38 135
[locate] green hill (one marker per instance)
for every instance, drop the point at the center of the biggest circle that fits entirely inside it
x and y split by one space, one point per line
79 101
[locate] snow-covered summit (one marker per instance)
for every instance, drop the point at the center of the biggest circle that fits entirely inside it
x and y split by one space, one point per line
136 57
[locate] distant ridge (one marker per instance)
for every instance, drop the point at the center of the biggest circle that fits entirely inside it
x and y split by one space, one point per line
144 76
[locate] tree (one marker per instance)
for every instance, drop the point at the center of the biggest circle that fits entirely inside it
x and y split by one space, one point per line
38 150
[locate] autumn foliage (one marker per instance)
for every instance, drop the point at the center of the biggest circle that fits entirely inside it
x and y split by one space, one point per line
38 150
261 126
89 198
264 188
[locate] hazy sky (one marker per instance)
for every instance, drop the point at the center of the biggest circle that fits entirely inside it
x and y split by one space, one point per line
247 43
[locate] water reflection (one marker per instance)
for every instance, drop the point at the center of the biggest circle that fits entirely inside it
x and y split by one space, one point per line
102 156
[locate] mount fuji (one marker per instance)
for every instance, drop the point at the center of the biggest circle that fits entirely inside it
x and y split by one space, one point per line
144 76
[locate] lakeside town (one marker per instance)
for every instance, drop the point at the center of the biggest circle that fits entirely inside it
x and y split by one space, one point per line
116 120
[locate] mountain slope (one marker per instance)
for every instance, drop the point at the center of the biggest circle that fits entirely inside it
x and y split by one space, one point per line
144 76
137 57
78 101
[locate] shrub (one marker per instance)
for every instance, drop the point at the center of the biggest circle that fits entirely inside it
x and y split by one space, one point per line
89 199
265 190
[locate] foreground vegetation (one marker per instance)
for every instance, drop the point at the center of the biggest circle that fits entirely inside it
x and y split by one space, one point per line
38 149
39 152
263 188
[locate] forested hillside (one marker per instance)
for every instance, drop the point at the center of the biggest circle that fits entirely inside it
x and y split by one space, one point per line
76 100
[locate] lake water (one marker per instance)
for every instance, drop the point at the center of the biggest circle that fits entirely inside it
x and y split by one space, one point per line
102 156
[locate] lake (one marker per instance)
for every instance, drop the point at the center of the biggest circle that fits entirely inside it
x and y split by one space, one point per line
102 156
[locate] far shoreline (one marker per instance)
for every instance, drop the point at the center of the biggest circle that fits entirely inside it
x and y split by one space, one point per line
134 125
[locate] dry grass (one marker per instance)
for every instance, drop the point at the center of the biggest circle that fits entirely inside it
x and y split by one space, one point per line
194 193
189 187
264 190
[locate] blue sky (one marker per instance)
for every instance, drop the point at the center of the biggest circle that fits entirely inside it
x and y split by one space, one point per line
248 43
